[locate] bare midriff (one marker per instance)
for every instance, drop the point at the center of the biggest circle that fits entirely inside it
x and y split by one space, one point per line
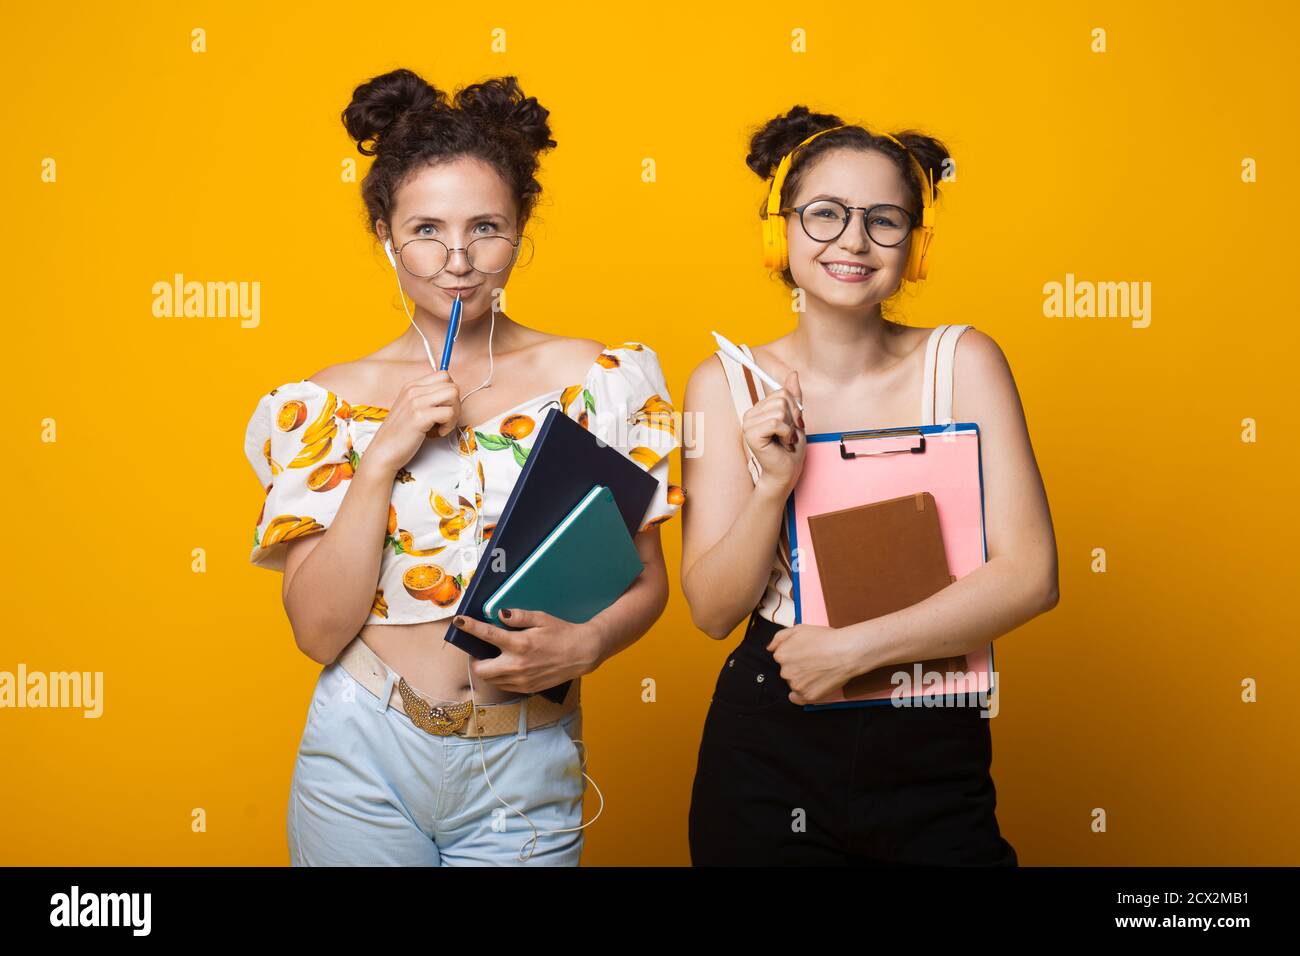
428 663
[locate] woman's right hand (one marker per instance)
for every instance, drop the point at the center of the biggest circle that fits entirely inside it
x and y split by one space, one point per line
774 431
426 407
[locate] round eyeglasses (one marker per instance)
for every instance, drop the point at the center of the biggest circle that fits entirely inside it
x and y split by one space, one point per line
425 256
824 220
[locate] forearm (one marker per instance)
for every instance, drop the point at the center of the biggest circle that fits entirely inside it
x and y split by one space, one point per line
626 621
995 598
332 591
728 580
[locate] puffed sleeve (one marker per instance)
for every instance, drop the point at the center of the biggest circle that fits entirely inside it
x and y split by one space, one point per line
300 448
625 403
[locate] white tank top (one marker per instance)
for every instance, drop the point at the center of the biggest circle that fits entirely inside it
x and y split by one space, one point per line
747 390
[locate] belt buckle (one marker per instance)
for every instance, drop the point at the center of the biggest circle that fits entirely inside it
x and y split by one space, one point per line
435 719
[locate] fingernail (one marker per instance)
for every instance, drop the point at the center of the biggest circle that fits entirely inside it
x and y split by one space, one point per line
505 613
458 621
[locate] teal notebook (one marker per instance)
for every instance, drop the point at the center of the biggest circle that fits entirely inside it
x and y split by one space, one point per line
581 567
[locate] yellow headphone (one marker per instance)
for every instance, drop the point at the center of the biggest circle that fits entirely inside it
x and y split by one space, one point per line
776 252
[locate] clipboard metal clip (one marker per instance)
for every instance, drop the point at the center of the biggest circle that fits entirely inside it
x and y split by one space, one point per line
917 449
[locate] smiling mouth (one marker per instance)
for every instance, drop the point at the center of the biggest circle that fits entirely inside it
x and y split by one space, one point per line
847 271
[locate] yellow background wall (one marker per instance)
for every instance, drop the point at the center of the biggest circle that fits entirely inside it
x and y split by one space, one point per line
225 165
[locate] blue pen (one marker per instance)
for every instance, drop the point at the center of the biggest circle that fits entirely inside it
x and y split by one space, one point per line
451 334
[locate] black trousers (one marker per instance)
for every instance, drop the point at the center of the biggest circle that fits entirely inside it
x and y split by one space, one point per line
778 785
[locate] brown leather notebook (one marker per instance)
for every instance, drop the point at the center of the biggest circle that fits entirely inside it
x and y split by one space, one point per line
878 558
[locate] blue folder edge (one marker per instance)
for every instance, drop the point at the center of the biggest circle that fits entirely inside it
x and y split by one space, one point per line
958 427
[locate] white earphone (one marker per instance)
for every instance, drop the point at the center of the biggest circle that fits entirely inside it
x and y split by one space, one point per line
529 845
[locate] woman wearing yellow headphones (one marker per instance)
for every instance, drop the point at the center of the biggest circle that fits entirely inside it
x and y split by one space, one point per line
849 216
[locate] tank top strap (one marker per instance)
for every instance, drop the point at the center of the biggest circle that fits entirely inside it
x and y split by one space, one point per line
940 368
746 391
776 603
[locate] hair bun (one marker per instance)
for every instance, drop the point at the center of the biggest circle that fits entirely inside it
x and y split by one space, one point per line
932 155
380 102
780 135
501 101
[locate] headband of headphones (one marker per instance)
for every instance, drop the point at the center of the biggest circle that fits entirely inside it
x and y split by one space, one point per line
783 169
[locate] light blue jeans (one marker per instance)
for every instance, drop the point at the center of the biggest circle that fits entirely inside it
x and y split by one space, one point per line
370 788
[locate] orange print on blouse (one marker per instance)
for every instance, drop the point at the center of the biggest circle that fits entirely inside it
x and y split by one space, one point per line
430 581
313 444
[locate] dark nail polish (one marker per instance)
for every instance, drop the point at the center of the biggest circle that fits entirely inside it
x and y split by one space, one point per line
505 613
458 621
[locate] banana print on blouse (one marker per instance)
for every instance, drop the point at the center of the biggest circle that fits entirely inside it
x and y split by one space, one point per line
305 443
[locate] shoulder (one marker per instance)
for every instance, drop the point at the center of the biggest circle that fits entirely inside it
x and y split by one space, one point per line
578 346
561 356
979 355
707 380
982 379
571 353
708 395
349 379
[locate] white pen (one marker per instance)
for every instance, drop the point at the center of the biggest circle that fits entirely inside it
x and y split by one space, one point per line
739 356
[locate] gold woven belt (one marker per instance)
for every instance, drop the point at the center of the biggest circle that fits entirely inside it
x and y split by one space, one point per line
462 719
442 720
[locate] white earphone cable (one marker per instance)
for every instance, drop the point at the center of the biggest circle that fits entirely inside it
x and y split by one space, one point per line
427 350
529 845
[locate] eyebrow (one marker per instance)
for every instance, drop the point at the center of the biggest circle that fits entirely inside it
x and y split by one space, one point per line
436 221
845 202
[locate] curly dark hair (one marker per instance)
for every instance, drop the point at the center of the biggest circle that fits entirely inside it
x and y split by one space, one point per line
771 141
407 124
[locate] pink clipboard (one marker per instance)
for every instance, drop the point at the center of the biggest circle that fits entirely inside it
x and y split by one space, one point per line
846 469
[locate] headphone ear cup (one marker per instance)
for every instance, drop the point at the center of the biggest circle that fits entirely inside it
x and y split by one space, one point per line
918 260
918 263
775 253
388 249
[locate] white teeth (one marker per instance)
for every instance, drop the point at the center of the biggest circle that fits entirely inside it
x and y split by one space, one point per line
847 270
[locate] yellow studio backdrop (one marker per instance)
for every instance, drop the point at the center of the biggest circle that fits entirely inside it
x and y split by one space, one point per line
1148 145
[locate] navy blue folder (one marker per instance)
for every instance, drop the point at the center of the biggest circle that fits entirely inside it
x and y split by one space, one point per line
565 460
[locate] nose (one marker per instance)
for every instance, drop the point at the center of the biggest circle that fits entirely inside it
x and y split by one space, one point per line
854 237
458 262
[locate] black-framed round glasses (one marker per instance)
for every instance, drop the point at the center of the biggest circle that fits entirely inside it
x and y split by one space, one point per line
824 220
426 256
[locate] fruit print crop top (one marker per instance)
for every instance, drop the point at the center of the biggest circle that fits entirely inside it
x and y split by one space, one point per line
304 442
777 603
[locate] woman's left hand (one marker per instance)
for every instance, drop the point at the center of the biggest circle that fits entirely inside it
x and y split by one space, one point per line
816 661
546 652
